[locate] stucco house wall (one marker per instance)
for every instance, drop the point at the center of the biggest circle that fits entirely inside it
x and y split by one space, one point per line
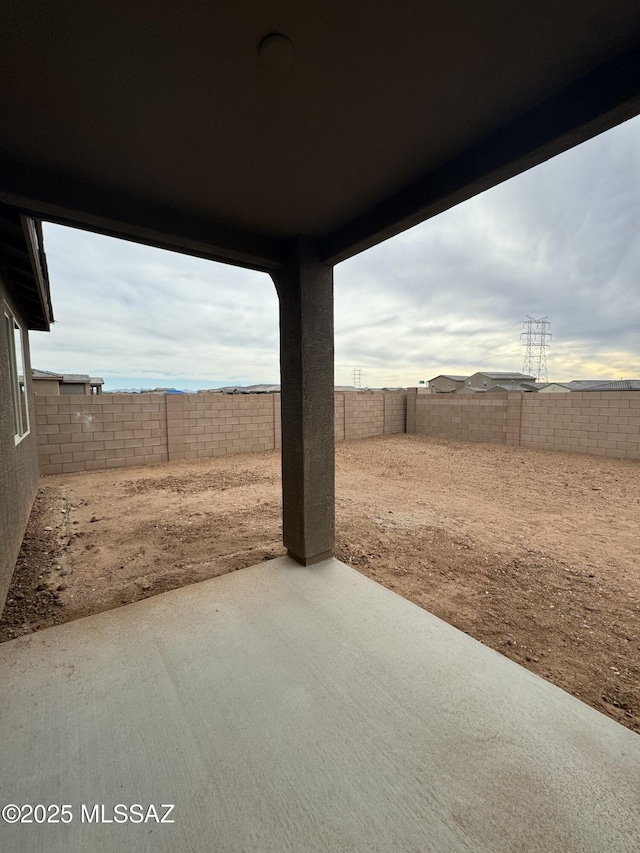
485 381
47 384
446 383
18 462
75 388
45 387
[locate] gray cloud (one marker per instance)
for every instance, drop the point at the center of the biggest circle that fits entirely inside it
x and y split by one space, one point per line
451 294
559 241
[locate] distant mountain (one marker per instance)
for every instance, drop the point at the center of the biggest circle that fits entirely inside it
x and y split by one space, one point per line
133 384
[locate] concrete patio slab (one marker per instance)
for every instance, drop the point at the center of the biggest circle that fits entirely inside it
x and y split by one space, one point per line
283 708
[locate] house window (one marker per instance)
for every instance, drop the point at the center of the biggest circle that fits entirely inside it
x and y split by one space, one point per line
17 373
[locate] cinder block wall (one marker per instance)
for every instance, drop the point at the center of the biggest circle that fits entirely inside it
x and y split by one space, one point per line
83 433
477 417
605 423
118 430
363 414
339 429
395 411
203 425
112 431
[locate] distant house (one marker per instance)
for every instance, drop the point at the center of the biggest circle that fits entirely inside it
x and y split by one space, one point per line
586 384
554 388
47 382
620 385
591 385
447 383
25 305
504 387
485 381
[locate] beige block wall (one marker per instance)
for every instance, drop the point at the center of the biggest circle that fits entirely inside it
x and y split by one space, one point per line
606 423
90 433
395 411
339 417
477 417
363 414
277 423
204 425
109 431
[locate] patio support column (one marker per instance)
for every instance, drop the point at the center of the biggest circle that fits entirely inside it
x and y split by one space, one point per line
305 291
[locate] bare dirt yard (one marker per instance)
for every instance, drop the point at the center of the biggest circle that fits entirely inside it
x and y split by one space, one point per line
535 554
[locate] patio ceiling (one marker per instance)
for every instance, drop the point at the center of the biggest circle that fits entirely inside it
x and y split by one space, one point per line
192 126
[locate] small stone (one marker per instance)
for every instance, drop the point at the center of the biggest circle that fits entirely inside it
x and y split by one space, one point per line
48 529
60 587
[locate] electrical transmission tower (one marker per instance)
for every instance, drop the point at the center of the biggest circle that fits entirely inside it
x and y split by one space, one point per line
535 355
357 377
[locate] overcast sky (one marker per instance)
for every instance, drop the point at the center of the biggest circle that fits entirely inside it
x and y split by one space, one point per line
450 296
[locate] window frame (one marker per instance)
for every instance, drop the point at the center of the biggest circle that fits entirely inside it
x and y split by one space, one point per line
19 393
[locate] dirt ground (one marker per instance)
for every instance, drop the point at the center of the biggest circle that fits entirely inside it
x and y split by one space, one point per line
535 554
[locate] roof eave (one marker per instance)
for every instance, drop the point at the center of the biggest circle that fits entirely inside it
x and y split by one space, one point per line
35 247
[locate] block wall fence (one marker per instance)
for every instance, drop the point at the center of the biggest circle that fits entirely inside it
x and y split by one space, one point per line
119 430
605 423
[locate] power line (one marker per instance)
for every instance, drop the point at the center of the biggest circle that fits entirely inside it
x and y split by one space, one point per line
535 355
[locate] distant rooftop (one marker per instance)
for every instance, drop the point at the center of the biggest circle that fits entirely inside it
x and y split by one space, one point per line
583 384
275 389
596 385
513 386
505 375
66 377
75 377
44 374
620 385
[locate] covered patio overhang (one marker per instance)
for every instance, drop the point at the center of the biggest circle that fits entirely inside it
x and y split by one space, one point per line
286 138
294 708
